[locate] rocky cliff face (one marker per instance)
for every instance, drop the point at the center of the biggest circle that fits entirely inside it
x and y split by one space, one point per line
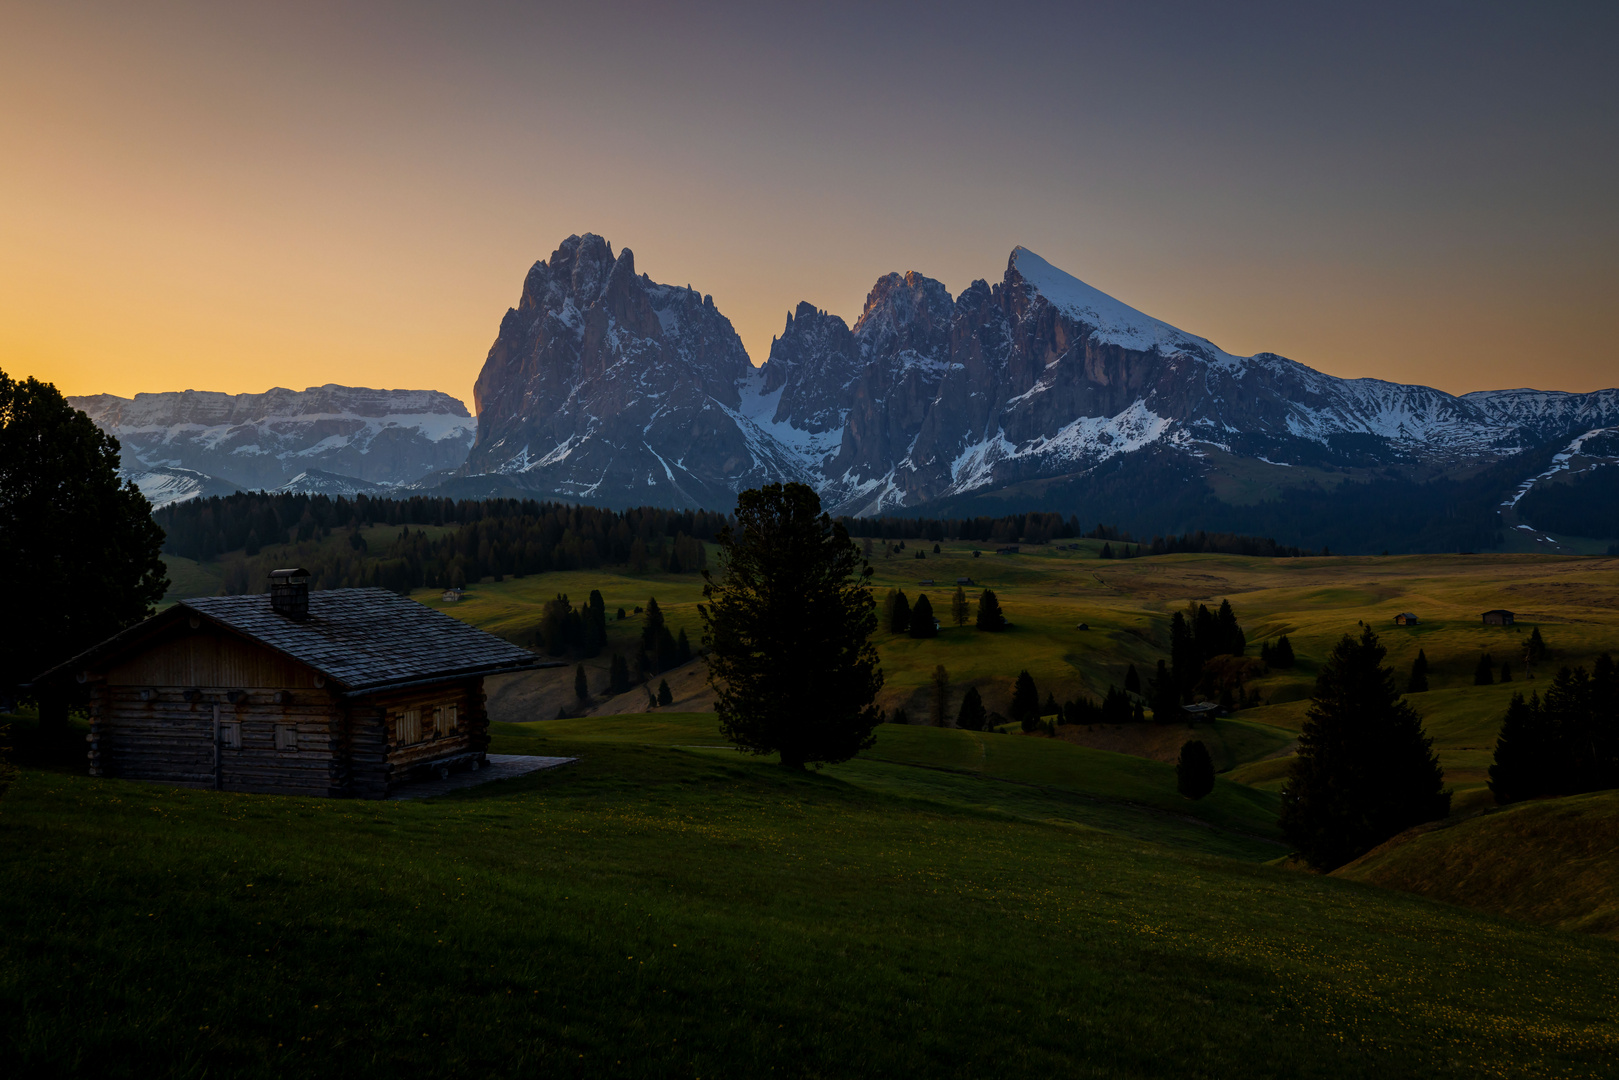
606 386
264 441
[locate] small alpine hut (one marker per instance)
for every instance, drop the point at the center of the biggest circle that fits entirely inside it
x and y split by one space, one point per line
1405 618
1498 617
342 693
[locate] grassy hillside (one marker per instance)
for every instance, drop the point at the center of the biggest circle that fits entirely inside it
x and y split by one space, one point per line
1553 861
663 908
1047 591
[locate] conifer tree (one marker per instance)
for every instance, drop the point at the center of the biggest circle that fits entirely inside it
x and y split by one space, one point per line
1526 753
654 624
1418 682
1194 771
960 610
922 618
971 717
1365 768
787 629
1025 702
1232 641
1282 655
618 675
581 685
900 615
665 696
1484 674
1107 551
1050 707
989 612
1132 681
1534 650
1184 663
1166 697
682 647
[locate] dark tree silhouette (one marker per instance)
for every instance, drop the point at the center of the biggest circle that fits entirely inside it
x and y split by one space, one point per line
1484 674
1418 682
1166 696
1194 772
618 675
1563 744
941 694
1132 681
922 619
989 612
79 547
971 716
899 620
960 611
788 629
581 684
665 695
1365 768
1025 702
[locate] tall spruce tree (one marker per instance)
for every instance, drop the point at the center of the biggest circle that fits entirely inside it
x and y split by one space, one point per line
989 612
581 684
1025 702
1534 650
900 614
1132 681
1282 655
1365 768
960 610
1166 696
1194 771
971 716
922 618
1418 682
1527 753
618 675
788 628
665 695
1484 674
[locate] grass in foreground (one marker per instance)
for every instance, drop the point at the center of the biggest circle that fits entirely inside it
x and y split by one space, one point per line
653 910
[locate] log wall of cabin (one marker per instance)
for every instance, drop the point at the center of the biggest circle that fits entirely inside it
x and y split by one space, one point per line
381 759
153 712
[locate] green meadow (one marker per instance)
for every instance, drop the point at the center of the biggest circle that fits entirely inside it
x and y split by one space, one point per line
948 903
665 906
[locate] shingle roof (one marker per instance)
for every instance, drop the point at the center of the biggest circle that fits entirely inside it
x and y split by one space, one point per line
367 638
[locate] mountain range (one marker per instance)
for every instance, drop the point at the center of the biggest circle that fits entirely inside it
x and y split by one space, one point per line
335 440
1033 392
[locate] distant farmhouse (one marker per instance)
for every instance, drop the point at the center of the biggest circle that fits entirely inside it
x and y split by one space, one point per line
342 693
1498 617
1405 618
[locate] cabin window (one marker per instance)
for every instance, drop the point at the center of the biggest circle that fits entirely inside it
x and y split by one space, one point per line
409 726
230 736
444 720
286 737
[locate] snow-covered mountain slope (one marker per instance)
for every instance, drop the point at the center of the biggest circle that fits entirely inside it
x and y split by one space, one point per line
262 441
164 485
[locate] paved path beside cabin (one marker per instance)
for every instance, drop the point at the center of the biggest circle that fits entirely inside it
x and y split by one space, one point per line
500 767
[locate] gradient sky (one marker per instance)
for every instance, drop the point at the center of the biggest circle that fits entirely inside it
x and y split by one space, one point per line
212 196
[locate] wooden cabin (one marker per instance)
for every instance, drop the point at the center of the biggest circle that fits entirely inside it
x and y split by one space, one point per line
1405 618
342 693
1498 617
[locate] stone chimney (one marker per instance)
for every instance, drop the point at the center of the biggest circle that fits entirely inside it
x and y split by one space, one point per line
289 593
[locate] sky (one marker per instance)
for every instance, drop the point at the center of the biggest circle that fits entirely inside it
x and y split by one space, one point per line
231 197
